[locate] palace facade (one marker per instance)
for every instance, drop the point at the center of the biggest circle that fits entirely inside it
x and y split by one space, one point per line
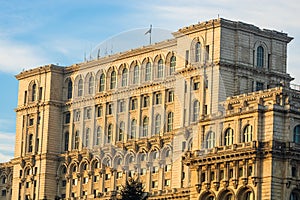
207 115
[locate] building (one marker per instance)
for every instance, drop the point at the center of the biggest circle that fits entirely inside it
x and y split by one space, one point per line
209 115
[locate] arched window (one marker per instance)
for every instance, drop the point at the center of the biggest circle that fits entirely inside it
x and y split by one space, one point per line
113 80
172 64
170 122
98 135
247 134
33 94
157 124
160 69
132 129
197 52
148 71
210 140
121 131
76 140
80 87
102 83
196 108
66 145
87 137
228 137
124 77
248 195
91 85
136 74
109 134
297 134
70 89
260 56
145 127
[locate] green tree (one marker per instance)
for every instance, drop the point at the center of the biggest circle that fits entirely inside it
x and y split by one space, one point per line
133 189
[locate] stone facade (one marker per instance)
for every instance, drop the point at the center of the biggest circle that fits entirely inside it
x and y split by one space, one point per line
207 115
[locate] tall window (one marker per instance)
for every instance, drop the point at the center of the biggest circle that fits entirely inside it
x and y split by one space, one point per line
170 122
297 134
124 77
76 140
33 94
80 87
157 124
196 108
294 196
70 89
109 133
113 80
121 131
91 85
102 83
228 137
172 64
148 72
247 134
160 69
136 74
260 56
198 52
145 127
66 146
98 135
30 143
87 137
132 129
210 140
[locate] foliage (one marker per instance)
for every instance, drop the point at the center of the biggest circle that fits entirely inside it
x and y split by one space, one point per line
133 189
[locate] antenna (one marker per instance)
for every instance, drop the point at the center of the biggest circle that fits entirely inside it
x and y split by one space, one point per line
98 54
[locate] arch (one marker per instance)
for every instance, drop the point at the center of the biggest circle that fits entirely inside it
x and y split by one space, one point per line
84 165
245 193
207 195
73 167
106 161
113 80
142 157
196 49
130 158
95 163
147 69
124 78
296 134
69 84
166 152
228 136
260 52
79 86
90 83
118 161
226 194
102 82
154 155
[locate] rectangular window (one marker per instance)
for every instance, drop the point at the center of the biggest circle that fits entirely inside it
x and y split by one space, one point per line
183 146
230 173
170 96
121 106
154 184
155 170
203 177
77 115
25 97
85 180
31 122
241 172
40 93
96 178
187 55
250 171
119 175
207 53
158 98
133 104
63 183
146 101
3 193
74 181
212 176
88 113
27 184
259 86
143 171
67 117
109 108
167 168
99 110
205 110
196 86
107 177
167 182
221 174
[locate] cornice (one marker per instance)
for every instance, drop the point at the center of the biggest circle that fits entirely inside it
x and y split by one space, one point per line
40 70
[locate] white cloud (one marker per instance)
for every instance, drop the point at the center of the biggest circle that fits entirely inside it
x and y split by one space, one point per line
16 56
4 158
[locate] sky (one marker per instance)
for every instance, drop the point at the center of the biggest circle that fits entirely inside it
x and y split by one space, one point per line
35 33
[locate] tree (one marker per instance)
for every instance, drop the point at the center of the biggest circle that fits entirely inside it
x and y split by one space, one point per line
133 189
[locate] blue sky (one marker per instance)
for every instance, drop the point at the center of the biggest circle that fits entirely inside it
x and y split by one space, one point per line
35 33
